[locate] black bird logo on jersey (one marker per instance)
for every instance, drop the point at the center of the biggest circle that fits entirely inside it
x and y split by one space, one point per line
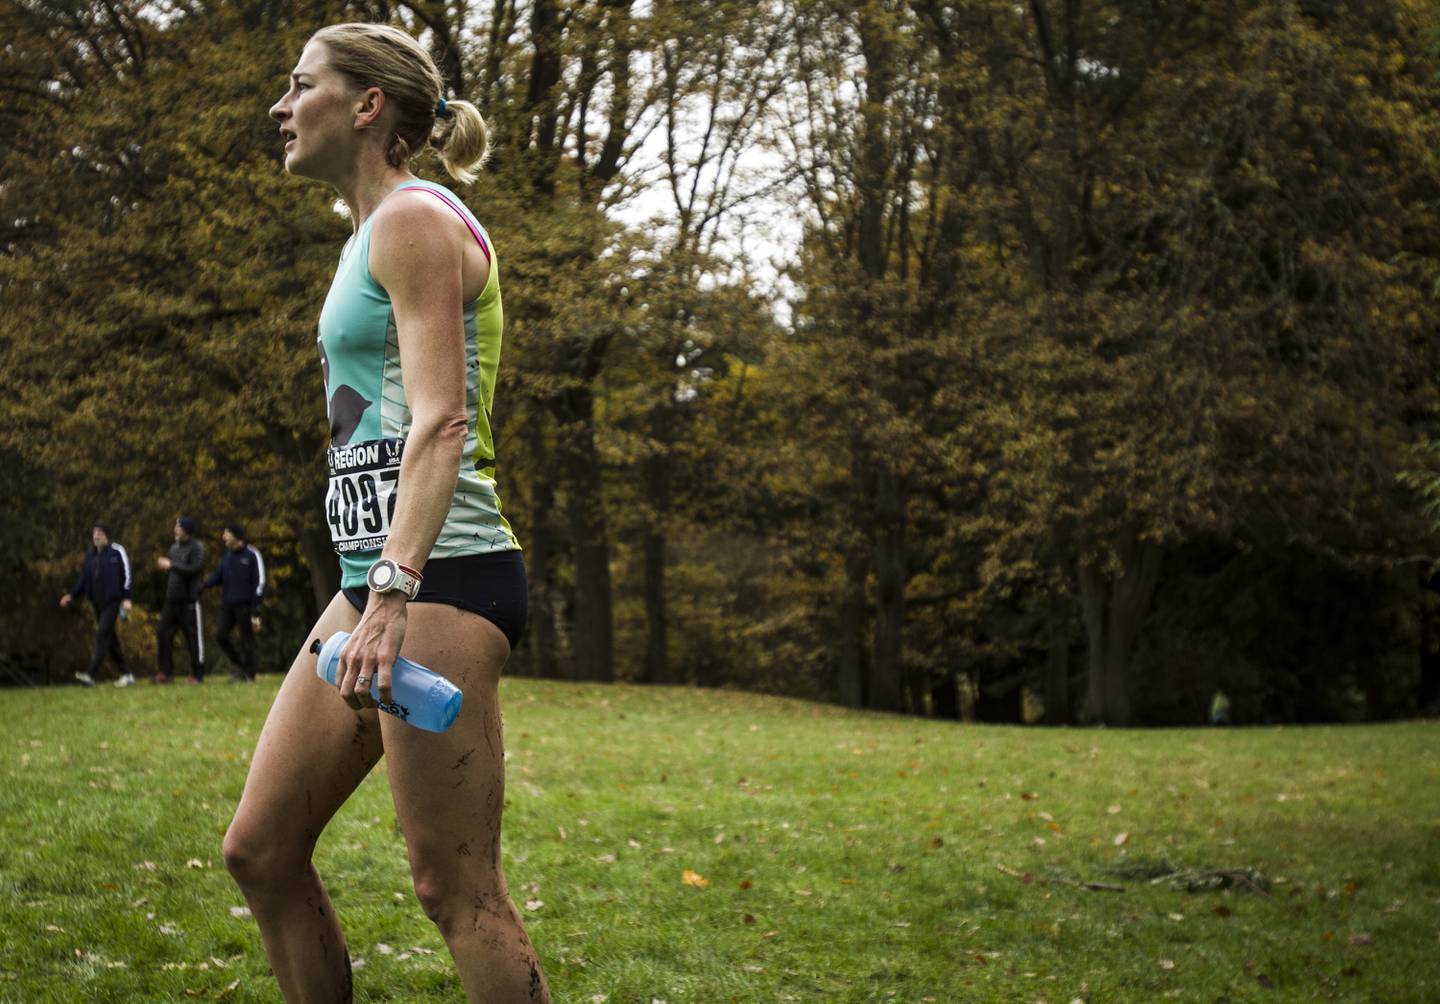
345 407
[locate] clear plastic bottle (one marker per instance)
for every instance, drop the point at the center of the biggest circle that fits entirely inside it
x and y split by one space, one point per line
419 697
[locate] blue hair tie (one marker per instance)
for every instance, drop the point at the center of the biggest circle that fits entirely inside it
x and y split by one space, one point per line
441 112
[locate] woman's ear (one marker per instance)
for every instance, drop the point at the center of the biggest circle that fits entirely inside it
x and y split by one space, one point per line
369 107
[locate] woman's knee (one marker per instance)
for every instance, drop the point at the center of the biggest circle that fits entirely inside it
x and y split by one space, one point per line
259 860
462 902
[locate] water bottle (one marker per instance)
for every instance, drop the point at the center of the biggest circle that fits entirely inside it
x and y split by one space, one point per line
419 697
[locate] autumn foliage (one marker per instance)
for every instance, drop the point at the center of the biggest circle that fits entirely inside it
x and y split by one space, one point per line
1097 373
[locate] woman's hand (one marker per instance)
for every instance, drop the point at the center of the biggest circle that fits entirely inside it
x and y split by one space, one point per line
372 650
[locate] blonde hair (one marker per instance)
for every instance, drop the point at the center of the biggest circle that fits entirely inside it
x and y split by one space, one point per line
380 55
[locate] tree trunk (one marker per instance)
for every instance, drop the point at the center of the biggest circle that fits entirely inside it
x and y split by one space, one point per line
540 557
657 489
1428 698
852 625
320 560
593 657
1114 610
657 656
889 689
1057 665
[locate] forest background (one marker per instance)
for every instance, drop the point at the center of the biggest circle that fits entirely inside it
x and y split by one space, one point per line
1055 361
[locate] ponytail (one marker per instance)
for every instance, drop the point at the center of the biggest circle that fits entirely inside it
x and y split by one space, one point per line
462 140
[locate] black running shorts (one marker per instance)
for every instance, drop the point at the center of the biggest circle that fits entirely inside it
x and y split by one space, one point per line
491 585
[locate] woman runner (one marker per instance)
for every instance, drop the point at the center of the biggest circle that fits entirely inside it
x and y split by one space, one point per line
409 344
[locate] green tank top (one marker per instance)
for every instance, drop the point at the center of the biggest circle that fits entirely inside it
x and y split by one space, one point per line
369 419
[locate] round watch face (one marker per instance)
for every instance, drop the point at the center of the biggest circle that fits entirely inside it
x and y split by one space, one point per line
381 575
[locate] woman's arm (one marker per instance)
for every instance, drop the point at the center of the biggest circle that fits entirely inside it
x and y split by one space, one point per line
416 254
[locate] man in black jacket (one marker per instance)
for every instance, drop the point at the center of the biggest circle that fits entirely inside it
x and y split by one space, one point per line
105 579
182 589
241 576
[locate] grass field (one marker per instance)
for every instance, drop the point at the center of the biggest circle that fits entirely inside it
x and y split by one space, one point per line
694 846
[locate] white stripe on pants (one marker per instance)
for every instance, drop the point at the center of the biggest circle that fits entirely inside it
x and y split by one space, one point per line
199 634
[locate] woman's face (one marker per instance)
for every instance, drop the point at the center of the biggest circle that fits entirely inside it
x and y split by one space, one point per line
317 117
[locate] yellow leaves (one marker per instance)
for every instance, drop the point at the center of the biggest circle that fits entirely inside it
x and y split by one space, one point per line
693 878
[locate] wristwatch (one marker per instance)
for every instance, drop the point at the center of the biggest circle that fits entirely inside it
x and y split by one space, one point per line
386 575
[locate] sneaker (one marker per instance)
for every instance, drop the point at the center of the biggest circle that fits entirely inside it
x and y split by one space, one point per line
197 679
86 679
160 678
125 681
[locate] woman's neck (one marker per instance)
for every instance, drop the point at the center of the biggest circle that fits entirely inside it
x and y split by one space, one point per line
366 187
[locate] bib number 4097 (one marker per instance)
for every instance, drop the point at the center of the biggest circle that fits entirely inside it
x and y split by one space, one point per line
360 502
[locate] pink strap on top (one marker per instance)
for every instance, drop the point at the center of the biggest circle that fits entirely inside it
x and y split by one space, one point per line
461 213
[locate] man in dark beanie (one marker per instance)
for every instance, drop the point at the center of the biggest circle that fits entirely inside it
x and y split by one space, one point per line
105 579
182 590
241 576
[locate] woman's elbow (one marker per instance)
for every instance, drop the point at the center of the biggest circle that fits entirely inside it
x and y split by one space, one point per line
446 428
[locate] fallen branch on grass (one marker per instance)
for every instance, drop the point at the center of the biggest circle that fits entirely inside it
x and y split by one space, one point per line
1028 878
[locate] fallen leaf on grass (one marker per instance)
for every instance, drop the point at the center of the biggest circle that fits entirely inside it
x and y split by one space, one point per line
1361 939
1024 877
1120 839
694 878
749 918
534 904
1167 963
239 911
937 843
745 883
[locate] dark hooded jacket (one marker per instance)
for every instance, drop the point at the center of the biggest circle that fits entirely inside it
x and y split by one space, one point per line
187 560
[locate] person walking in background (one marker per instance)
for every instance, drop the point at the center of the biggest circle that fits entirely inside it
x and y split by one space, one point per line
105 579
241 577
1220 709
182 591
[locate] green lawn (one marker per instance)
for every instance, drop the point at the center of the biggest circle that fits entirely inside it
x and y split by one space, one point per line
837 857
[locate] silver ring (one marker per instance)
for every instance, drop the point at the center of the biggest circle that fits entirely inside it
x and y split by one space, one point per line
362 680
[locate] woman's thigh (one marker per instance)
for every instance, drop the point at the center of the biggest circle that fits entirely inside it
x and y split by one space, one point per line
449 788
312 753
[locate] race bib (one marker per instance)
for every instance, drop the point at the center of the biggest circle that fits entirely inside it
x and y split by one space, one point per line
360 502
